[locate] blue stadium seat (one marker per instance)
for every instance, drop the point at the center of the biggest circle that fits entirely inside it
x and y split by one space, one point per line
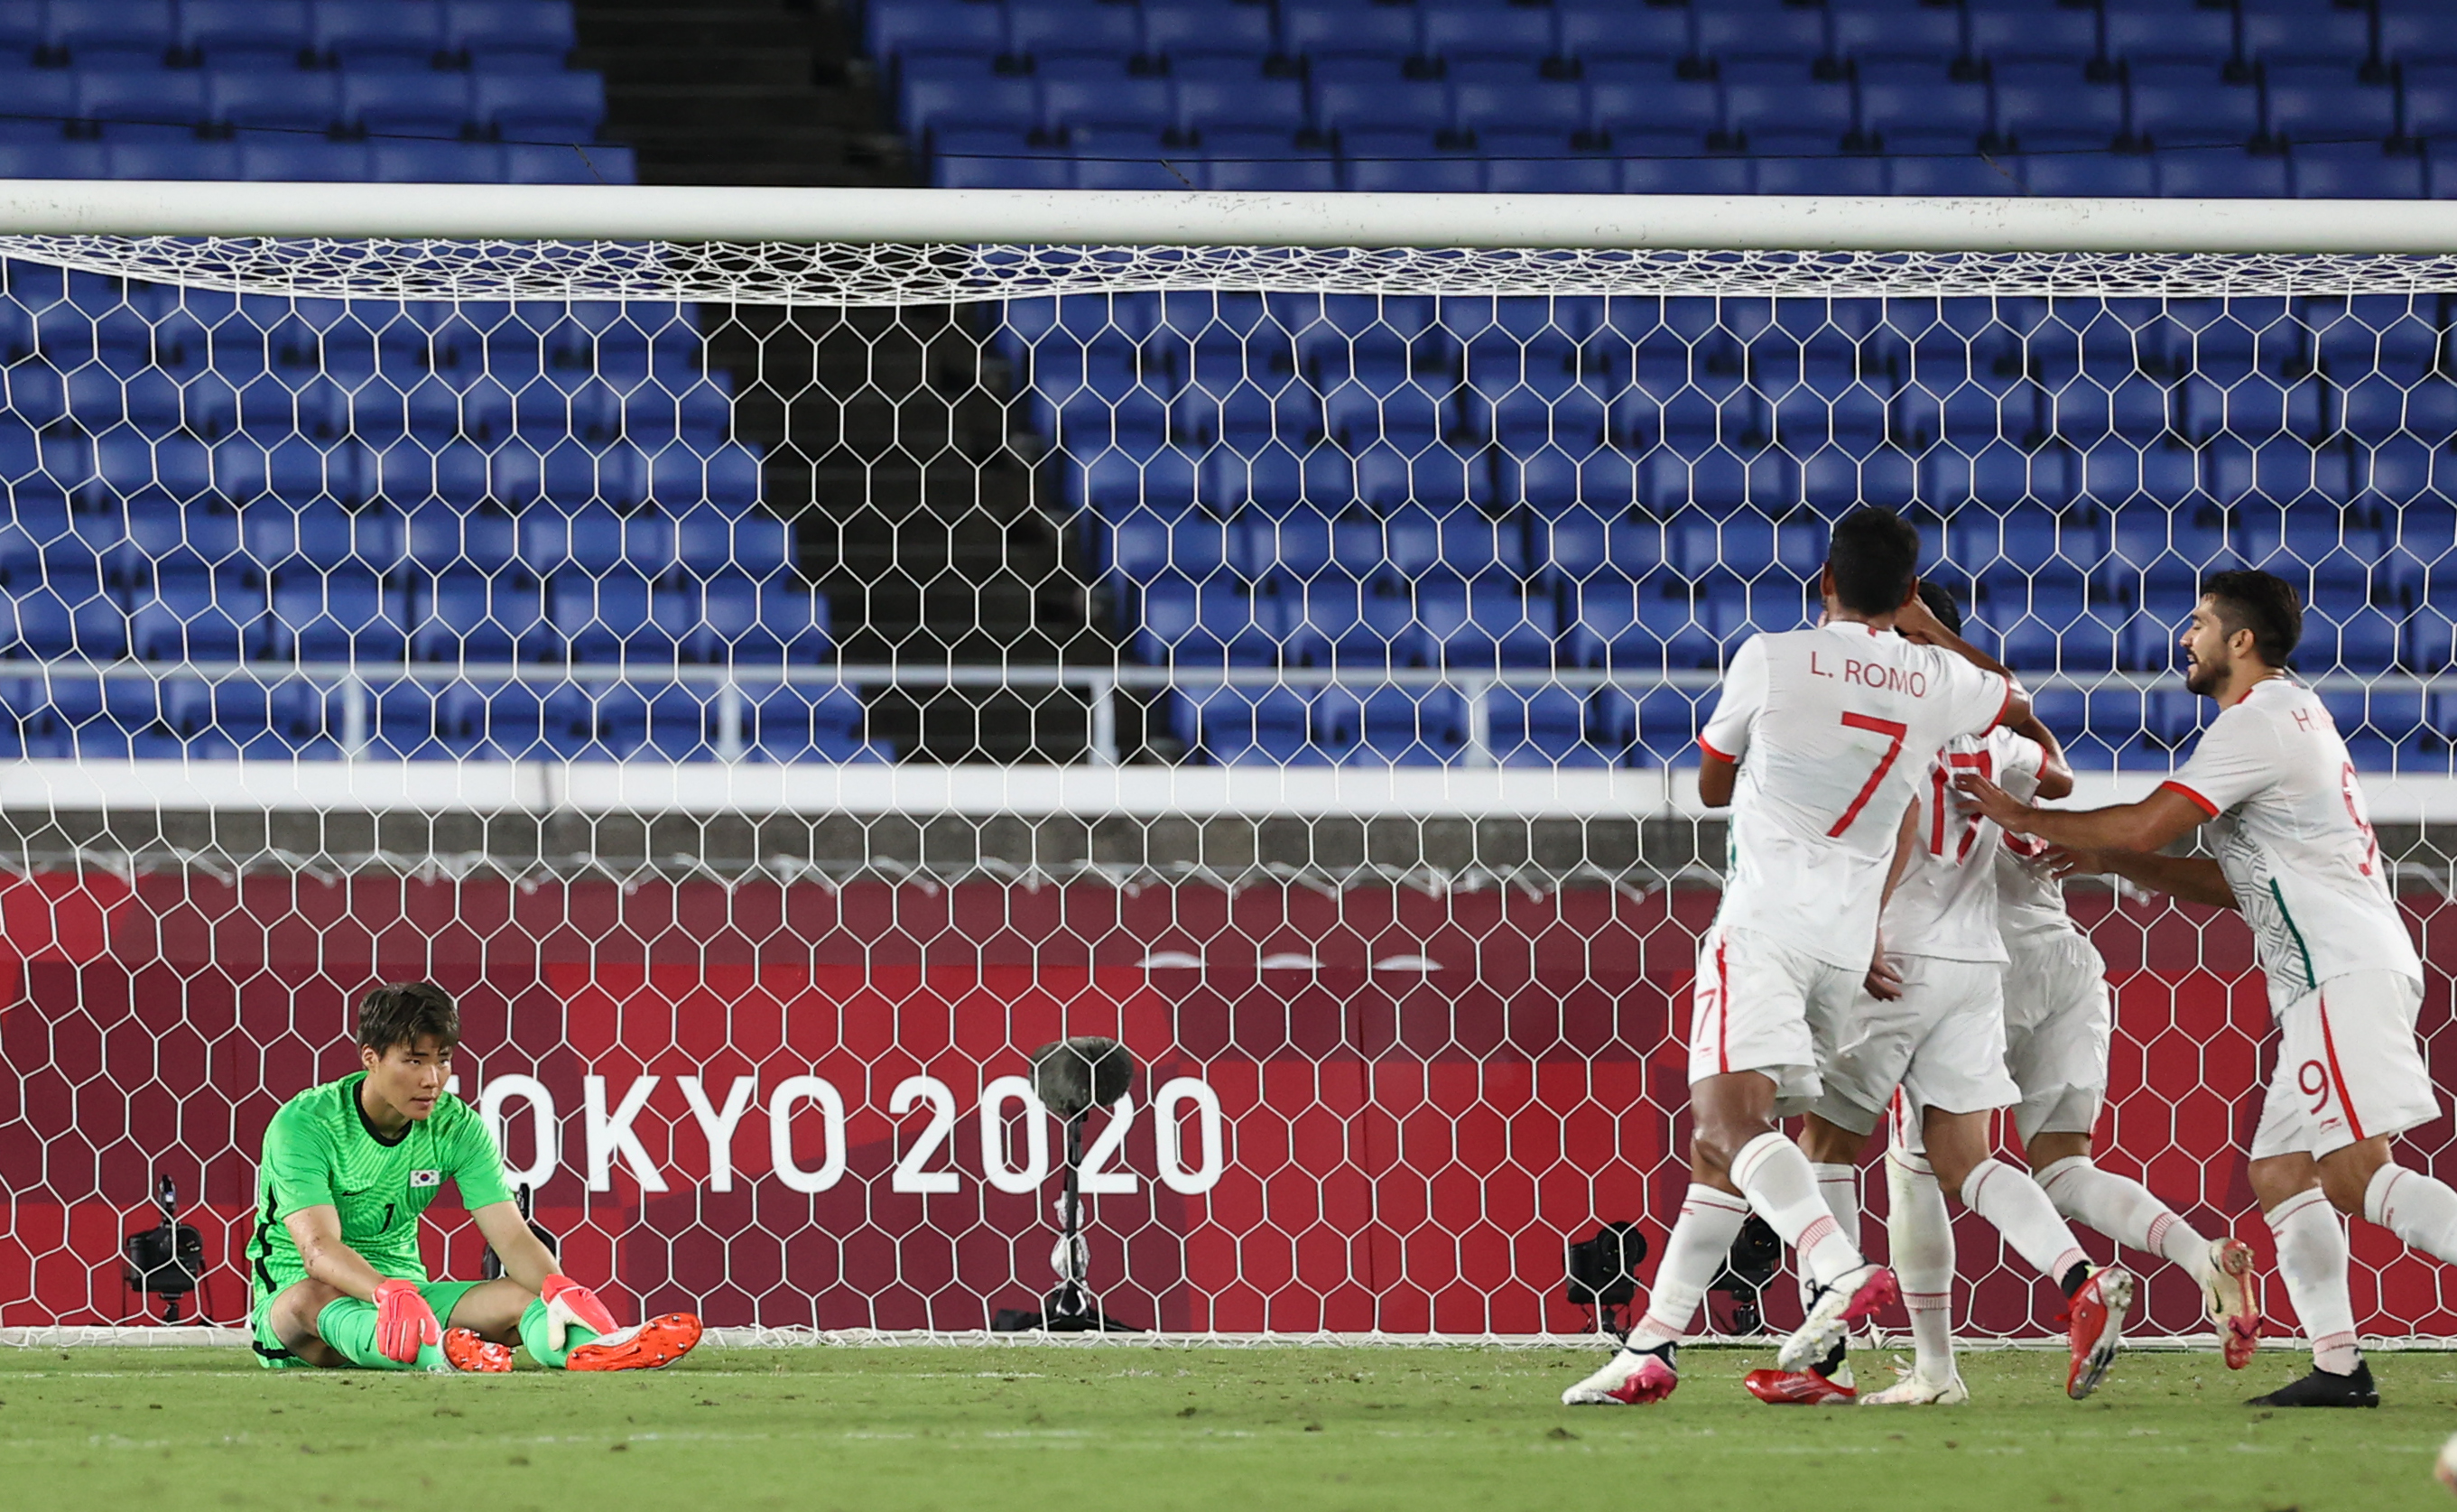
503 34
377 33
1895 30
1545 163
481 617
1604 30
345 615
2356 171
1392 726
2053 106
418 162
427 103
2430 101
301 160
133 29
2024 32
1784 163
1231 725
2274 33
1374 94
742 620
949 27
2326 102
1337 28
2414 32
442 537
1755 29
1459 30
1243 100
2135 33
1407 162
155 95
2191 105
996 157
2222 173
65 614
1183 31
1100 91
195 617
226 31
1043 29
1785 95
1541 727
1529 104
286 98
1900 97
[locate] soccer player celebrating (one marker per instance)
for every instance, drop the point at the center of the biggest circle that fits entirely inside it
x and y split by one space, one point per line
1931 1025
335 1272
1814 744
2297 857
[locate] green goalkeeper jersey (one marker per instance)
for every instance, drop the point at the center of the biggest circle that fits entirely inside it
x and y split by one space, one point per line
319 1150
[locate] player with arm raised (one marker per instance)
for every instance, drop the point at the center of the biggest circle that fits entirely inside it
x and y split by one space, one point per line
1814 744
2297 857
334 1274
1932 1047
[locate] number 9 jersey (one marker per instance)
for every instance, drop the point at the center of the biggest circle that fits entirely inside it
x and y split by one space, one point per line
1832 728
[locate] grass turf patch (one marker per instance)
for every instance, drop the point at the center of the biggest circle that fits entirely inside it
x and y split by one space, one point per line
920 1428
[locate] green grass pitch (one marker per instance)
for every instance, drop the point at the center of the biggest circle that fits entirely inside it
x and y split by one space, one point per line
1274 1429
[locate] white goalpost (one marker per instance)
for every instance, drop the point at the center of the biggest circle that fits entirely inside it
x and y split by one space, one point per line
566 594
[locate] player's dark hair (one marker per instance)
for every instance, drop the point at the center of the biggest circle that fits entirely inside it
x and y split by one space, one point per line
1940 603
1874 556
2262 603
406 1012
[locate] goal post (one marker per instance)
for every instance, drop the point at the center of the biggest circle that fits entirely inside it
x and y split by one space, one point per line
566 594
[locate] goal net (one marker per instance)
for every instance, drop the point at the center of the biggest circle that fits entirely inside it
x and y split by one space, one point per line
781 659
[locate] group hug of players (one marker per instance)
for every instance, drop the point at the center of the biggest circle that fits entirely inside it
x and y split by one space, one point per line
1892 945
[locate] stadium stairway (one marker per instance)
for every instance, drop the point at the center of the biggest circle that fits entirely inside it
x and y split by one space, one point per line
887 434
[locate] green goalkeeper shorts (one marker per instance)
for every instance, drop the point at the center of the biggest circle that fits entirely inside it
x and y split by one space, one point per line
441 1295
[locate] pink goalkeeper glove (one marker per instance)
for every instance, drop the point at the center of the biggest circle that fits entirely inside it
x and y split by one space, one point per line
568 1302
404 1323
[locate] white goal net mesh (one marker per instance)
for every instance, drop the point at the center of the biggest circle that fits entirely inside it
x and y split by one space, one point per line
777 688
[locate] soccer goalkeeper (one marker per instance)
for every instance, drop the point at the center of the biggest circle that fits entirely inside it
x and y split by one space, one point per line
334 1269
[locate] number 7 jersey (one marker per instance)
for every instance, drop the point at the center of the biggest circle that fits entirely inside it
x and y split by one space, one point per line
1831 727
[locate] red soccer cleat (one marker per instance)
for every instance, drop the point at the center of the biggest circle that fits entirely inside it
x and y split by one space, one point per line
1796 1388
2234 1297
652 1345
465 1351
2097 1315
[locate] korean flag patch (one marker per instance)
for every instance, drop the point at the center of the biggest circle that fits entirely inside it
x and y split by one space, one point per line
425 1178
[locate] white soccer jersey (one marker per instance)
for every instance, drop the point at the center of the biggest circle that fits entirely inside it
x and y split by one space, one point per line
2029 901
2289 827
1946 904
1832 726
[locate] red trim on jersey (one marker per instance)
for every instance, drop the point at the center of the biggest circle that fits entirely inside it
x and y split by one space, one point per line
2002 707
1723 1010
2329 1049
1717 755
2199 802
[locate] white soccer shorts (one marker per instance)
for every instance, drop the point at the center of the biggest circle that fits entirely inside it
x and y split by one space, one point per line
1942 1041
1760 1005
2348 1068
2057 1021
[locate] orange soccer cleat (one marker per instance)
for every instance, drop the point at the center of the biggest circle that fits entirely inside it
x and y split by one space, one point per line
2097 1315
1798 1388
652 1345
465 1351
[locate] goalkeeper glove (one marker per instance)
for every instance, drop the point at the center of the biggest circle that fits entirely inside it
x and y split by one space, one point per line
568 1302
404 1324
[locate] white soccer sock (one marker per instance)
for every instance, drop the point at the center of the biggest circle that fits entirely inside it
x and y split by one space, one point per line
2312 1257
2415 1209
2007 1198
1702 1238
1840 1186
1919 1233
2124 1210
1783 1188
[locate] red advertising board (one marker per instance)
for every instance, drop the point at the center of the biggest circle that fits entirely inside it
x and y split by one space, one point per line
1378 1108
